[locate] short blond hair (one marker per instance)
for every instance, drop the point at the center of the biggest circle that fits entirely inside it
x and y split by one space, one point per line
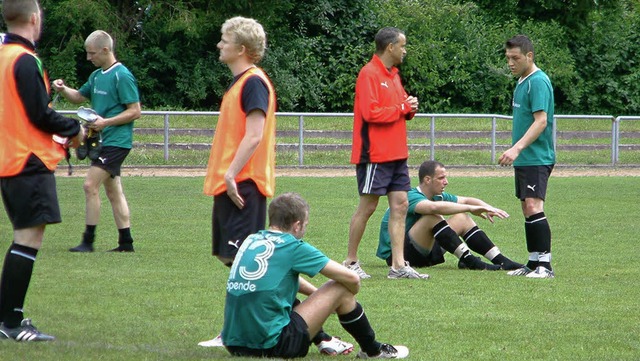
100 39
249 33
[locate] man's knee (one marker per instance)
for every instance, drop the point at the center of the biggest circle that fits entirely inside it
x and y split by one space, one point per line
367 206
531 206
461 223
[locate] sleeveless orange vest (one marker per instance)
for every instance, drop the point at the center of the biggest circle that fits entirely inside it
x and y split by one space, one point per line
19 138
229 133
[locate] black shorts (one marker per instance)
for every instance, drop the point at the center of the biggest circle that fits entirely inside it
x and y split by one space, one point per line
31 200
418 258
111 159
531 181
294 341
231 225
382 178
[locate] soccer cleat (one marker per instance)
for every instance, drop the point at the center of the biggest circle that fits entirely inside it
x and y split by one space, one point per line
214 342
334 347
355 266
475 263
83 150
387 351
406 272
94 144
522 271
26 332
510 265
541 272
83 247
123 248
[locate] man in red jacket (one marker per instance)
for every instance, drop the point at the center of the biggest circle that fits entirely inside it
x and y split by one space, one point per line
379 148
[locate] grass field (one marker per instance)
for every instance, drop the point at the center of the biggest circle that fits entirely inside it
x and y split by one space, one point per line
159 302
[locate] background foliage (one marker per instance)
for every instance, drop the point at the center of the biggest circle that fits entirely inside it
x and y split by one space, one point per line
455 59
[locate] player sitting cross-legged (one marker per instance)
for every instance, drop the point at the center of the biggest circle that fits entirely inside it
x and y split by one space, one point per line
262 317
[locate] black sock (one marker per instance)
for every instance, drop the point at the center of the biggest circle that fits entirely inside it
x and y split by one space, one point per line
321 336
358 326
16 276
479 242
538 234
124 236
447 238
89 234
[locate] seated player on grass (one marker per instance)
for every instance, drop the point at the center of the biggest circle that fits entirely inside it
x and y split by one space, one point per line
263 318
427 231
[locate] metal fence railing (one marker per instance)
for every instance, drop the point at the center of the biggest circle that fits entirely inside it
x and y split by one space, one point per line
432 131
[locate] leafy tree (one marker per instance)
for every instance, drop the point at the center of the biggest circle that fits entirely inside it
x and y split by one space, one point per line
455 59
607 58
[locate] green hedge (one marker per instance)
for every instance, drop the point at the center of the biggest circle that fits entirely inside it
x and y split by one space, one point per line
455 59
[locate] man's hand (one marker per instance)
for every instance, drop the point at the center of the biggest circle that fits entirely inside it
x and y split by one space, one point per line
58 85
413 101
99 124
232 192
497 212
488 212
508 157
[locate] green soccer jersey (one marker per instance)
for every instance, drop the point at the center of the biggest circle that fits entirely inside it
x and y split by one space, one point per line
110 91
415 196
262 287
533 94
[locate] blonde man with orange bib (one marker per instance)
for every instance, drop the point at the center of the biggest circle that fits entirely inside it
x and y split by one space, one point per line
241 168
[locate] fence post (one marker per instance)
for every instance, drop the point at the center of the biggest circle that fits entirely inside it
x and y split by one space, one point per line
166 137
301 140
554 131
493 140
615 141
433 138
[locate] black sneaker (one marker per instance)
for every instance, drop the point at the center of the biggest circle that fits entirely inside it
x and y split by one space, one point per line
510 265
387 351
24 333
123 248
95 147
82 247
83 150
475 263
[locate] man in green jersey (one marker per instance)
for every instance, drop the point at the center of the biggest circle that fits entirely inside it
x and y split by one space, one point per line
428 232
532 153
262 316
113 93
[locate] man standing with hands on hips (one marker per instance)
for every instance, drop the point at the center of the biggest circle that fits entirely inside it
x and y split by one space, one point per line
532 153
379 149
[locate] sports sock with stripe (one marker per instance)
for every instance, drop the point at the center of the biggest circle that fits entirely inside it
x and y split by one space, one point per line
538 234
479 242
358 326
16 276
